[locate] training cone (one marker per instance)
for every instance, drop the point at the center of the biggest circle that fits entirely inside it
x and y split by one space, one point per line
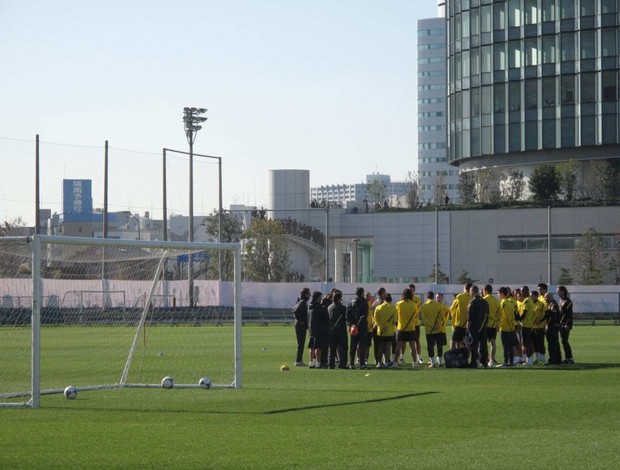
284 367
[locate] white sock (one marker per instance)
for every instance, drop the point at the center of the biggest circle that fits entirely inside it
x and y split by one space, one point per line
530 361
438 360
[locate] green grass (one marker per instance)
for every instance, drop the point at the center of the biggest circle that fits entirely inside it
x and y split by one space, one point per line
563 417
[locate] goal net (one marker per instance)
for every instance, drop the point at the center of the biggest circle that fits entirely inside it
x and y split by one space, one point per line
102 313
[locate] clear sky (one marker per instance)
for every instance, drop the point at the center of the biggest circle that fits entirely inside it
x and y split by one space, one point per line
323 85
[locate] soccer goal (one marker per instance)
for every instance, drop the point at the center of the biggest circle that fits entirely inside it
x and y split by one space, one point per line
106 314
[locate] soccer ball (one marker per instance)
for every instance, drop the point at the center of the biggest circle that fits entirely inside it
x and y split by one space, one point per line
354 330
167 382
205 382
70 392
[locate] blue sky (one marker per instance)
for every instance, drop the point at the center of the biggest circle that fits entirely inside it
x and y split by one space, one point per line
328 86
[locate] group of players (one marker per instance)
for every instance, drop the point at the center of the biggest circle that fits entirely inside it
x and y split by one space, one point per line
343 335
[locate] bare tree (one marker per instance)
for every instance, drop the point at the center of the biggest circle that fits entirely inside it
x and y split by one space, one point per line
13 227
598 180
590 262
414 191
512 186
467 187
377 191
439 187
488 185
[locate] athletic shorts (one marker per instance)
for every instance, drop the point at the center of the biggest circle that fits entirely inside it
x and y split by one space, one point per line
385 339
528 336
317 343
491 333
458 334
405 336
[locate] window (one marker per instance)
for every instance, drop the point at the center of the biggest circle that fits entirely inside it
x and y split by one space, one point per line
475 61
475 22
514 137
475 102
514 54
499 58
588 8
531 12
588 130
514 13
568 132
485 59
531 51
609 6
548 92
465 24
531 94
548 133
549 10
567 89
485 19
499 99
588 87
610 86
588 45
514 97
567 9
499 15
608 42
568 46
548 49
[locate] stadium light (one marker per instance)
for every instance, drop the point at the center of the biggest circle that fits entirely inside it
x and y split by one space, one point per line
191 123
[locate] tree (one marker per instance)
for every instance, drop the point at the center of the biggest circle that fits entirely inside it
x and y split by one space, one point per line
598 181
232 231
464 278
467 187
266 251
13 227
414 191
439 187
377 191
512 186
568 179
442 278
590 261
488 185
544 183
565 278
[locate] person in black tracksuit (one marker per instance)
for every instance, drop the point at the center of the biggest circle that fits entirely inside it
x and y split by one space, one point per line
357 314
477 316
566 323
300 311
318 323
552 316
337 332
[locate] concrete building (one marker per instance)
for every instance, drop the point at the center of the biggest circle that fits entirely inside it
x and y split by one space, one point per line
437 178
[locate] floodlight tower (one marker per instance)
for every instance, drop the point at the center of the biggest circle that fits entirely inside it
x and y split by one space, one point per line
192 121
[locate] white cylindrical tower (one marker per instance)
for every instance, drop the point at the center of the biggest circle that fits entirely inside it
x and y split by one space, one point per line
288 190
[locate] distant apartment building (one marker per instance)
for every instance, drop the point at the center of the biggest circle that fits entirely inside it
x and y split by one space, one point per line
378 189
437 178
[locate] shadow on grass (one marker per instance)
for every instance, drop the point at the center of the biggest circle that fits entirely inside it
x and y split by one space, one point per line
347 403
568 367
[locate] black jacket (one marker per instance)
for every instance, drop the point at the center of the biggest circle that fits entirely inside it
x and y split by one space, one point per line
318 320
300 310
337 318
357 313
477 314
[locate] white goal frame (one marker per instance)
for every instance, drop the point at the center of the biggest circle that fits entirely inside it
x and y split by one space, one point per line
38 240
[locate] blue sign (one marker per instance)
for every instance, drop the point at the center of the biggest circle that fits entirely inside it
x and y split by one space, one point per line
77 200
196 257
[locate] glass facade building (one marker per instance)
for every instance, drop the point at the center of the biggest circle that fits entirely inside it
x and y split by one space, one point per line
532 81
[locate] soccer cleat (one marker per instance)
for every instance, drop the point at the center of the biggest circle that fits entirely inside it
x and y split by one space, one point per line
300 364
415 365
401 361
491 363
431 365
363 367
379 366
420 361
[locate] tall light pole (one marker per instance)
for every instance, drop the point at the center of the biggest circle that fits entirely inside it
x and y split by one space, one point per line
191 122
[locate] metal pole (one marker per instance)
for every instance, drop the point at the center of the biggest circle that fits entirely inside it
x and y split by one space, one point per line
190 264
165 217
220 257
36 322
37 193
105 191
549 265
436 245
327 244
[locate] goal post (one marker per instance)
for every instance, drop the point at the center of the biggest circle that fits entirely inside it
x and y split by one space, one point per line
109 313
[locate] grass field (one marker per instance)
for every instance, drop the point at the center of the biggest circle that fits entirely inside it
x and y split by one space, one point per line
563 417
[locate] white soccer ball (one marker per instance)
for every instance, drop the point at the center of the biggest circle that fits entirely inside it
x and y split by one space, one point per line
205 382
70 392
167 382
